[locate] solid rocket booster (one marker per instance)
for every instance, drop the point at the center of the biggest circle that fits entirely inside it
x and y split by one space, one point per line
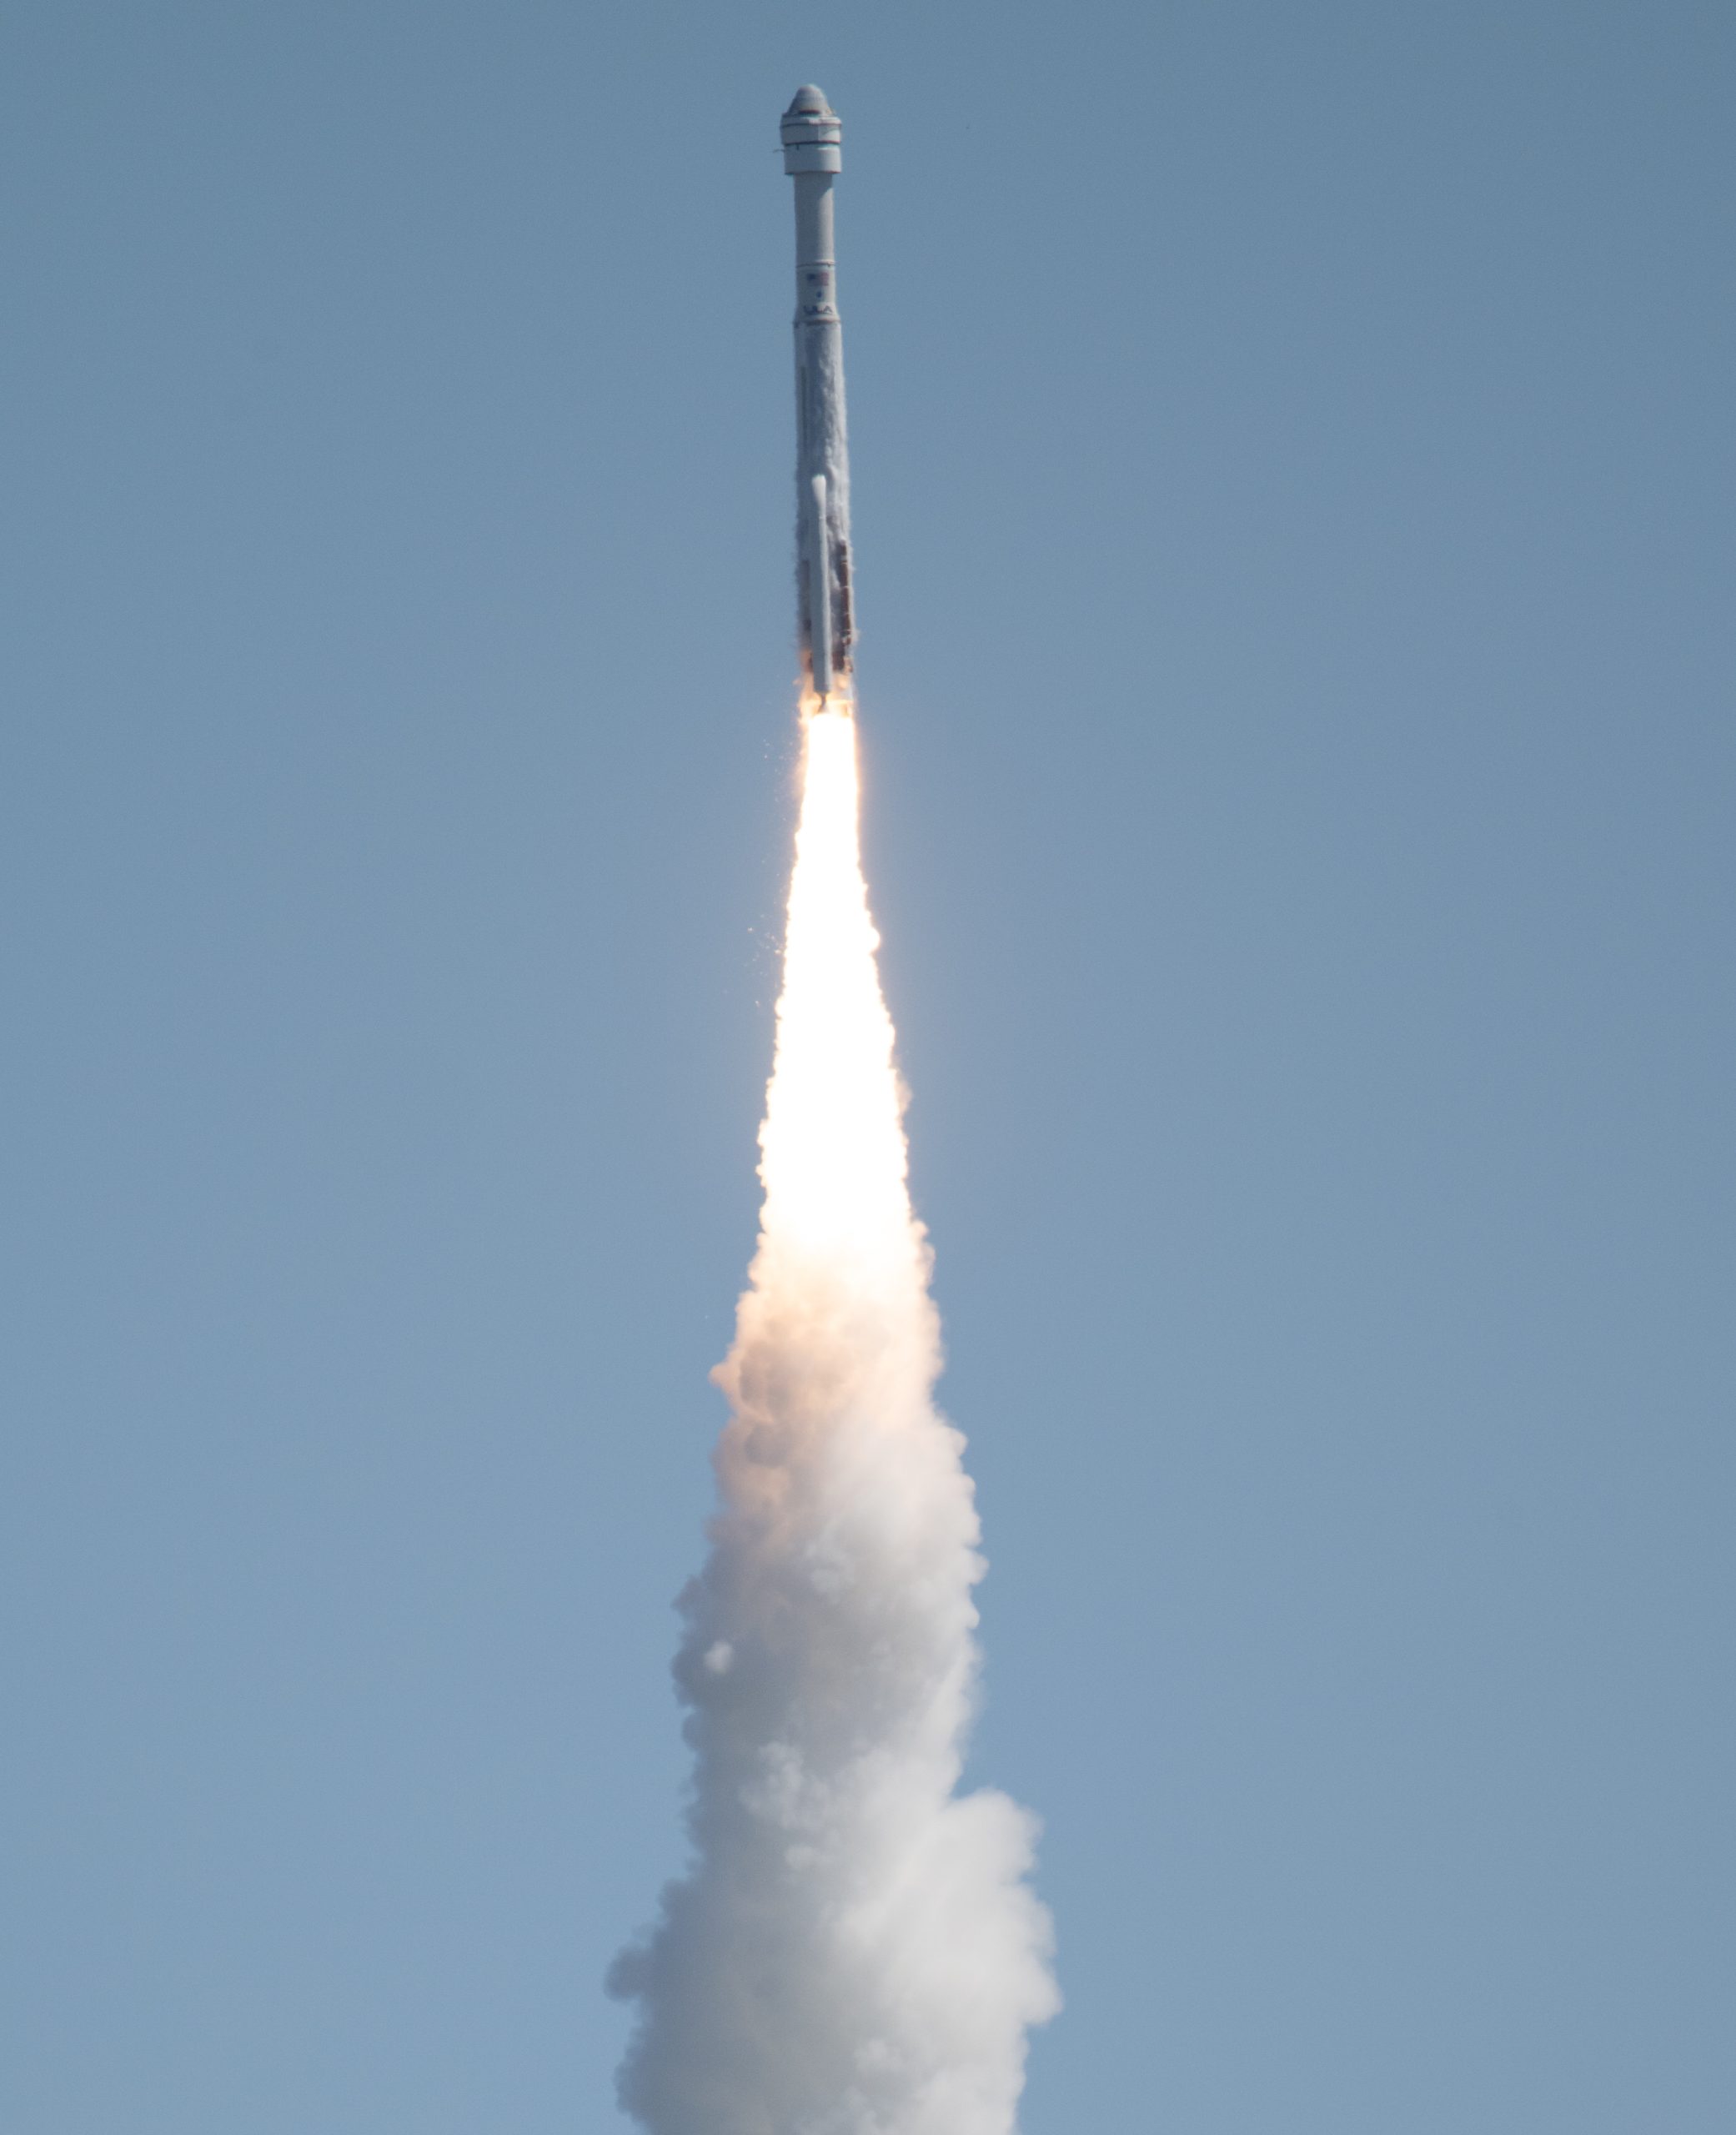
812 156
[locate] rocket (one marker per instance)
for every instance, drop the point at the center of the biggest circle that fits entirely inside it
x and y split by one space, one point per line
811 133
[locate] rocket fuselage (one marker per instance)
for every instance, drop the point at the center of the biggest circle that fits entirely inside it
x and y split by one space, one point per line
811 134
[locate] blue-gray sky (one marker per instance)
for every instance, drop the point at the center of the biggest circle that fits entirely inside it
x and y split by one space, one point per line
1293 460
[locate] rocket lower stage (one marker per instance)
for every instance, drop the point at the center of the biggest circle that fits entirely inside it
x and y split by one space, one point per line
812 156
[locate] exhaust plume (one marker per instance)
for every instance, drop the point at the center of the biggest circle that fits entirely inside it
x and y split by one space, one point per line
853 1949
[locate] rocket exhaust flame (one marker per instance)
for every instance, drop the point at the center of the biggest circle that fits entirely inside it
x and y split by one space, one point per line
854 1949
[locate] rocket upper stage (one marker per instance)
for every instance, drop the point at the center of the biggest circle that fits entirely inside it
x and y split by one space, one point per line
811 133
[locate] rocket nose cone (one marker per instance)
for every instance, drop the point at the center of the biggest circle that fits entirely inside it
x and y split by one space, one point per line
809 99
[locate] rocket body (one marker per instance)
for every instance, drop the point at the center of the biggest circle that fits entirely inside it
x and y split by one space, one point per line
812 156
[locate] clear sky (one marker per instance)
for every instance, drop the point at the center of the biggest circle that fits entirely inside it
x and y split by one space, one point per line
1292 454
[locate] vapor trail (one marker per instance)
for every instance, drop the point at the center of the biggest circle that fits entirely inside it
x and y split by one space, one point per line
853 1949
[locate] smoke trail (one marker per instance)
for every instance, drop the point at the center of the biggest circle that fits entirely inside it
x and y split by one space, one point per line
853 1949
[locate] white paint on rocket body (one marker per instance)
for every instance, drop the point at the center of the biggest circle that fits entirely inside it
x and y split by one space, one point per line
811 133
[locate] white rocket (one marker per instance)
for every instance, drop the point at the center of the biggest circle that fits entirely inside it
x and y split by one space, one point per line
811 133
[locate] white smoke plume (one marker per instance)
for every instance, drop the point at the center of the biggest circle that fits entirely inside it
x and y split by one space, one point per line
853 1949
